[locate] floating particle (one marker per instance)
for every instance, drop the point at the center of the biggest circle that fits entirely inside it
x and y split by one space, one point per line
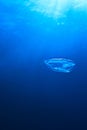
60 64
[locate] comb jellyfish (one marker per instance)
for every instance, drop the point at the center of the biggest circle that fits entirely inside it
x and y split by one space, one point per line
60 64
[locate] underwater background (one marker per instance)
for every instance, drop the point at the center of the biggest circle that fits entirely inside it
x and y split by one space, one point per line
33 97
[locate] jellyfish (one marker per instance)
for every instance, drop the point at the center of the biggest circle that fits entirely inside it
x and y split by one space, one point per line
60 64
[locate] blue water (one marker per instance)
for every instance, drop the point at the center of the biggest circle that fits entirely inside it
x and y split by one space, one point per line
31 96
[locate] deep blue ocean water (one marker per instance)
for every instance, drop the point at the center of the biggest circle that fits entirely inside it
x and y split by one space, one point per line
32 97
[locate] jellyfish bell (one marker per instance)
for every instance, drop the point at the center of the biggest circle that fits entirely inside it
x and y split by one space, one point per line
60 64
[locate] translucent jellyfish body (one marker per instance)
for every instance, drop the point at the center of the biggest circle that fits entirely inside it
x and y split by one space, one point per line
60 64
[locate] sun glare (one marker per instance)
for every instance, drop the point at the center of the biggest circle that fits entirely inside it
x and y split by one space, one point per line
51 8
55 8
